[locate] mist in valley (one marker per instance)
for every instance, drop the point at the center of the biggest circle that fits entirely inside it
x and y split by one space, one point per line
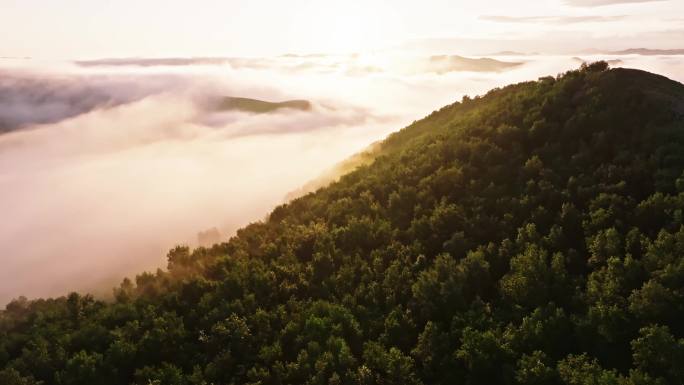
105 165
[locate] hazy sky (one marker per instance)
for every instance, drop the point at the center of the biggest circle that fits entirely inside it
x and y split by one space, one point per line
101 28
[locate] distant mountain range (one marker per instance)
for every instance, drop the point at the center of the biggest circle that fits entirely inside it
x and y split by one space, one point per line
636 51
648 52
149 62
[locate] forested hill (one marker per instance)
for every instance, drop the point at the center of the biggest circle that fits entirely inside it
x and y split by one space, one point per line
533 235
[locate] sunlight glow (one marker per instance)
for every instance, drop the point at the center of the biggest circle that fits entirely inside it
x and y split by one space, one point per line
344 27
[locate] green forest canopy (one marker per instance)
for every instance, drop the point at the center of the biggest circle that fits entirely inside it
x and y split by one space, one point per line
533 235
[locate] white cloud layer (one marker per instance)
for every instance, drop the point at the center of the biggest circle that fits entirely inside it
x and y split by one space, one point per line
107 167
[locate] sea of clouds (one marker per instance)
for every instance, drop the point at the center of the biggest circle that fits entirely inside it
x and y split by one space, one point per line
107 164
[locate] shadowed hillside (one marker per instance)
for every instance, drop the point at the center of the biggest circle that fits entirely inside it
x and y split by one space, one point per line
533 235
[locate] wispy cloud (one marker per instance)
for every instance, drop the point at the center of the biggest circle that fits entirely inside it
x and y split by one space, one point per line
551 19
555 41
598 3
149 62
89 144
29 99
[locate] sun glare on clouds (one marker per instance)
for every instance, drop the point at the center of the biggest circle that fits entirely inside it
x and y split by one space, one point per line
344 27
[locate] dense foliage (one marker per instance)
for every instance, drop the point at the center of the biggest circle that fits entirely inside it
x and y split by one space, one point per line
534 235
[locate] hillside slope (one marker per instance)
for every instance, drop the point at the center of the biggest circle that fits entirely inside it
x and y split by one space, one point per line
533 235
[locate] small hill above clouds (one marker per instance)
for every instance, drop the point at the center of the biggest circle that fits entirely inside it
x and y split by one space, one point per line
451 63
532 235
259 106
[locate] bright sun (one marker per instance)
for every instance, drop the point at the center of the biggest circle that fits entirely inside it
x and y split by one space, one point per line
343 27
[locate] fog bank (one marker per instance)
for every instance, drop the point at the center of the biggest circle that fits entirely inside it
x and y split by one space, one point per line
106 165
